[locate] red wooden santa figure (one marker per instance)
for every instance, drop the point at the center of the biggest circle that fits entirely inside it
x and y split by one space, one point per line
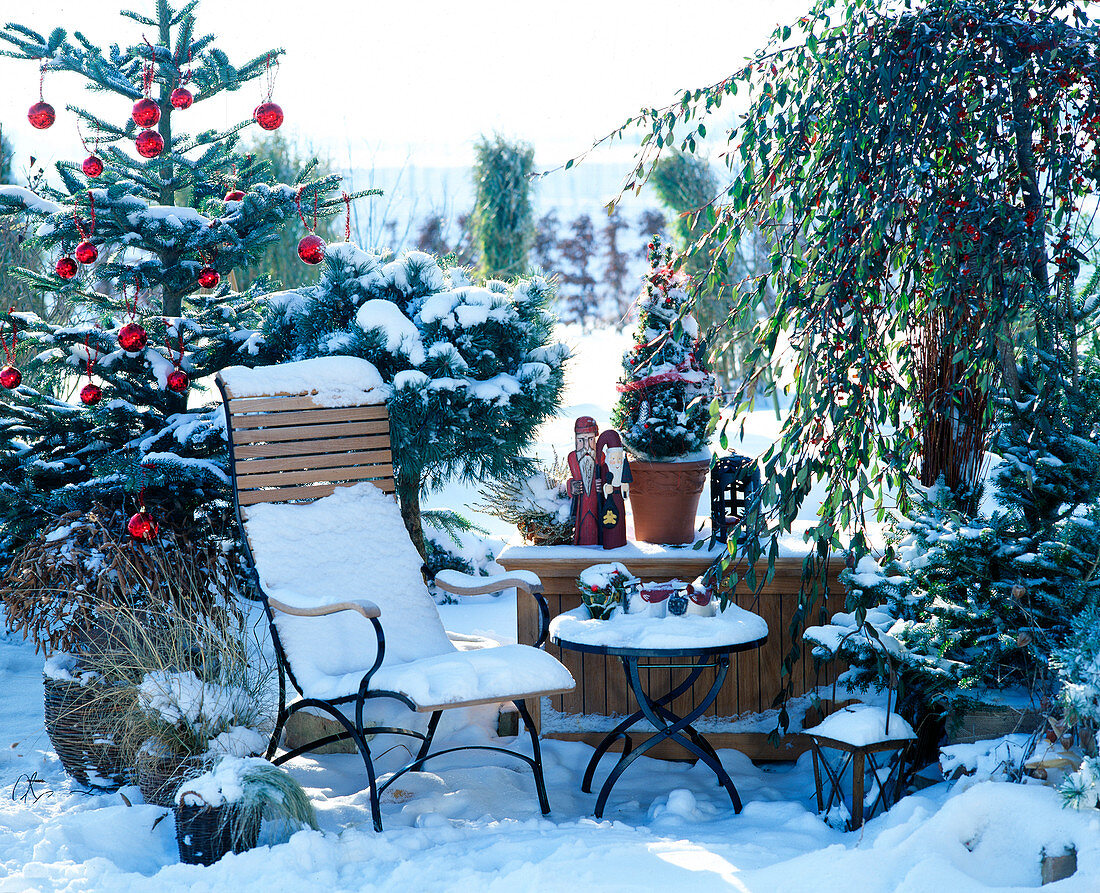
584 485
614 473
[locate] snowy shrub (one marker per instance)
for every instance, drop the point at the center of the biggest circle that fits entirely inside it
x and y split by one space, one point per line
536 503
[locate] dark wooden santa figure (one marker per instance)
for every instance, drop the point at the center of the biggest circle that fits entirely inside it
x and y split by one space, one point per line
584 485
615 479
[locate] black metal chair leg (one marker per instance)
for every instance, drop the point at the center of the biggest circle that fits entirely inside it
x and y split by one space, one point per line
433 723
536 766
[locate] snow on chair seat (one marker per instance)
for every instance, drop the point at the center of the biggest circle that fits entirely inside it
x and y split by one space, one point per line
351 619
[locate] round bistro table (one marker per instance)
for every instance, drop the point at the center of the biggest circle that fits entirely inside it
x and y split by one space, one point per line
589 636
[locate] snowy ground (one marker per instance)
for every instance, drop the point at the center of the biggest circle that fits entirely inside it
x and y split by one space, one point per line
472 823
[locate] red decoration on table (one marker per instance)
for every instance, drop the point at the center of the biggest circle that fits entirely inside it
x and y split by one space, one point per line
66 268
86 253
209 277
132 337
146 113
181 98
10 377
149 144
312 249
584 485
92 166
613 471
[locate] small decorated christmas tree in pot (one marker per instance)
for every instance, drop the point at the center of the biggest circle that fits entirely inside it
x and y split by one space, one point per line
663 409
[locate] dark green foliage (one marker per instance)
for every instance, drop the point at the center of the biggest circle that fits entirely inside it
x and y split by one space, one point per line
57 454
285 163
503 220
664 409
473 367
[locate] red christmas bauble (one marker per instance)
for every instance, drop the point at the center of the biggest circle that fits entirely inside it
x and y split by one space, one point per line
91 394
312 249
178 381
268 115
66 268
181 98
149 144
132 337
86 252
234 195
141 526
146 113
208 277
41 115
10 377
92 166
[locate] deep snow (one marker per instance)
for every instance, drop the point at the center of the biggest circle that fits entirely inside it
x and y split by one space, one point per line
472 822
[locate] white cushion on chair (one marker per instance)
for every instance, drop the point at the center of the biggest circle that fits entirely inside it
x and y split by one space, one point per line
353 544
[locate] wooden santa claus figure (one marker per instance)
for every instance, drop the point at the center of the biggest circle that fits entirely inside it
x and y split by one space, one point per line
584 484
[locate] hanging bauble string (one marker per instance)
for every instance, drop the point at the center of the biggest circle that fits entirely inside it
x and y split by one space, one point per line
132 337
10 377
91 393
181 97
311 249
41 114
141 525
177 380
267 114
86 252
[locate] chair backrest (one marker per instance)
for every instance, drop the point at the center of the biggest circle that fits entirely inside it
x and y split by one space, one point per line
307 476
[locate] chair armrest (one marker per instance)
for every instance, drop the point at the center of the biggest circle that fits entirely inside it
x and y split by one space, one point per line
458 583
369 610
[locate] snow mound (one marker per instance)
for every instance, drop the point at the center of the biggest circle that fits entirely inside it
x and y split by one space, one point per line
332 381
862 724
733 626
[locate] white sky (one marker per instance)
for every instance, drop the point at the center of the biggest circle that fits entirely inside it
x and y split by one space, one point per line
382 83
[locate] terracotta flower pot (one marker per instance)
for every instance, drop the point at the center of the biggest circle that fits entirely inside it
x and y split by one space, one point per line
664 497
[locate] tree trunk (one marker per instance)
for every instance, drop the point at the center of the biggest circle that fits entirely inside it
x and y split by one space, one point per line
408 496
167 193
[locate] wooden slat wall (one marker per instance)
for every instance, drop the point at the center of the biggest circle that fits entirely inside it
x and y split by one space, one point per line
754 678
287 447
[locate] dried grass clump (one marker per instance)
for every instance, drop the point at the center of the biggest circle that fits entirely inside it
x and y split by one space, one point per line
536 504
63 585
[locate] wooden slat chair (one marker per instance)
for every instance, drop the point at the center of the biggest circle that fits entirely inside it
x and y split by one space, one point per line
333 560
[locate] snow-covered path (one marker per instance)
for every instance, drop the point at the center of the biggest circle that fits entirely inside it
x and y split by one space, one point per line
473 824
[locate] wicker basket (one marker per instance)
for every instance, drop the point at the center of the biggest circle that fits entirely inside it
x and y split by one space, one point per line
205 833
160 777
78 721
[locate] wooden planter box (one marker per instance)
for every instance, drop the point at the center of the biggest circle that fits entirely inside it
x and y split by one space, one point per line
754 678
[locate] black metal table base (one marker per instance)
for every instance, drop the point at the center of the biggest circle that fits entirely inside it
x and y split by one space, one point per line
667 726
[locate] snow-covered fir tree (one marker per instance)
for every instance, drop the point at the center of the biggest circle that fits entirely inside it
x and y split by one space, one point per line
473 367
664 409
143 242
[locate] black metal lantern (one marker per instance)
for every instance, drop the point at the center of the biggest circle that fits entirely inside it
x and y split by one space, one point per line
734 482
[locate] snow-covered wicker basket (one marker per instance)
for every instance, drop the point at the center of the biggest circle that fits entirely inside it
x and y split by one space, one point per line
159 777
206 833
79 714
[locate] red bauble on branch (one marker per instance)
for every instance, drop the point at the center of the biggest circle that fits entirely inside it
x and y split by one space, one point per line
66 268
141 526
86 252
132 337
146 113
10 377
41 115
268 115
149 144
208 277
92 166
234 195
91 394
181 98
178 381
312 249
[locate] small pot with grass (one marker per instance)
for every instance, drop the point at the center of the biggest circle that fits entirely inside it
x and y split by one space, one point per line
221 810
